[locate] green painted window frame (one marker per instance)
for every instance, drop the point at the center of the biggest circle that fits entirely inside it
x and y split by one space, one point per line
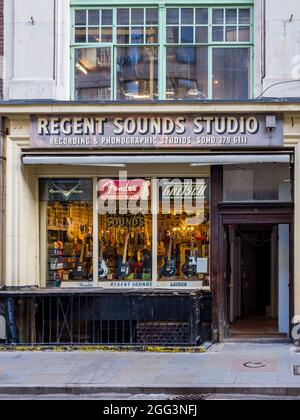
162 37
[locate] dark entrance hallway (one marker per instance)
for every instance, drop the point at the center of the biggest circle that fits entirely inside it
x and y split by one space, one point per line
253 295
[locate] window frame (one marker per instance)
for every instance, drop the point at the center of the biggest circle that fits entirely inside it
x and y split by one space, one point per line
162 44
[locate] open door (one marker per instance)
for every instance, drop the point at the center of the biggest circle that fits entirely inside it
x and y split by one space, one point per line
235 285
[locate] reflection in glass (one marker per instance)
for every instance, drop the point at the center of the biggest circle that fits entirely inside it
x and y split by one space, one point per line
231 33
137 74
187 34
231 16
123 35
93 35
123 17
259 182
94 17
137 35
218 17
218 33
93 74
137 16
187 72
107 17
172 35
151 35
80 17
244 34
151 16
106 34
201 16
201 34
172 16
231 72
244 16
187 16
80 35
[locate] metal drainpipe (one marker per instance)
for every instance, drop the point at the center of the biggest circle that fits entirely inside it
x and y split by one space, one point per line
264 40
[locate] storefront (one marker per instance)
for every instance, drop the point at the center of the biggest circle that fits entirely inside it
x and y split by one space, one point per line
186 208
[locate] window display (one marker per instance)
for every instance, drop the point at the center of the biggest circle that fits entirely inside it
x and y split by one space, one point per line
69 232
125 230
183 230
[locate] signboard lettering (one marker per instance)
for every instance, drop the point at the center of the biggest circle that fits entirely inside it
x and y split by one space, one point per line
155 132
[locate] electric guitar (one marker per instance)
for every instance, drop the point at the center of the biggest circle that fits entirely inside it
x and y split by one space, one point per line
189 269
102 266
169 267
123 269
78 272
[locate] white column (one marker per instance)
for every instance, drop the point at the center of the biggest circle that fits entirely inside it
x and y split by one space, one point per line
22 220
297 233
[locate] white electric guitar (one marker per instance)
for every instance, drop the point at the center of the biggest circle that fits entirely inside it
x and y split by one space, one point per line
102 266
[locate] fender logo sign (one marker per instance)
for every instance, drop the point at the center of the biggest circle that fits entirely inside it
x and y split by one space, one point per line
135 190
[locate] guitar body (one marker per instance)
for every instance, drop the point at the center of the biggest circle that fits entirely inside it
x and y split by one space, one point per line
78 273
189 269
102 269
169 268
123 270
102 266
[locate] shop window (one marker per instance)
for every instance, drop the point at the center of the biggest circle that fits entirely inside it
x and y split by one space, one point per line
261 182
67 209
125 231
93 74
183 231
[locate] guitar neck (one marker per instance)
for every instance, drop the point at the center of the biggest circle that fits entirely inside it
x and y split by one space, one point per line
170 251
125 250
101 252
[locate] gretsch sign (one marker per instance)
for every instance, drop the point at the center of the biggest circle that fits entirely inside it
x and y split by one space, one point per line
155 132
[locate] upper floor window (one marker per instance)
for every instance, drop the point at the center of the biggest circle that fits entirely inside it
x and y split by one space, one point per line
173 53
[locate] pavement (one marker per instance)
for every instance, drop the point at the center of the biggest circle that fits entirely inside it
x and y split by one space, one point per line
230 368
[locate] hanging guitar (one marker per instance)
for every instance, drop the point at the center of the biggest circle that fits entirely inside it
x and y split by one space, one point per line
78 272
102 266
123 269
169 267
189 269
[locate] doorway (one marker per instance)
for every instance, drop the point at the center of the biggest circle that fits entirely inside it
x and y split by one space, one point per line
258 280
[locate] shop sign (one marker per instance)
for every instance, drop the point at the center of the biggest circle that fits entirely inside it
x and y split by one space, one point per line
188 189
127 221
157 132
135 190
66 190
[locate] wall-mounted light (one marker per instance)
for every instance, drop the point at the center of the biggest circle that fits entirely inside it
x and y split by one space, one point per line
81 67
271 124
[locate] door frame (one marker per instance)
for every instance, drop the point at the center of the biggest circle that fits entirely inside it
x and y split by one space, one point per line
225 214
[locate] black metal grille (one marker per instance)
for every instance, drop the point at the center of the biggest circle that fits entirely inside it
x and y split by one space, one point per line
103 319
